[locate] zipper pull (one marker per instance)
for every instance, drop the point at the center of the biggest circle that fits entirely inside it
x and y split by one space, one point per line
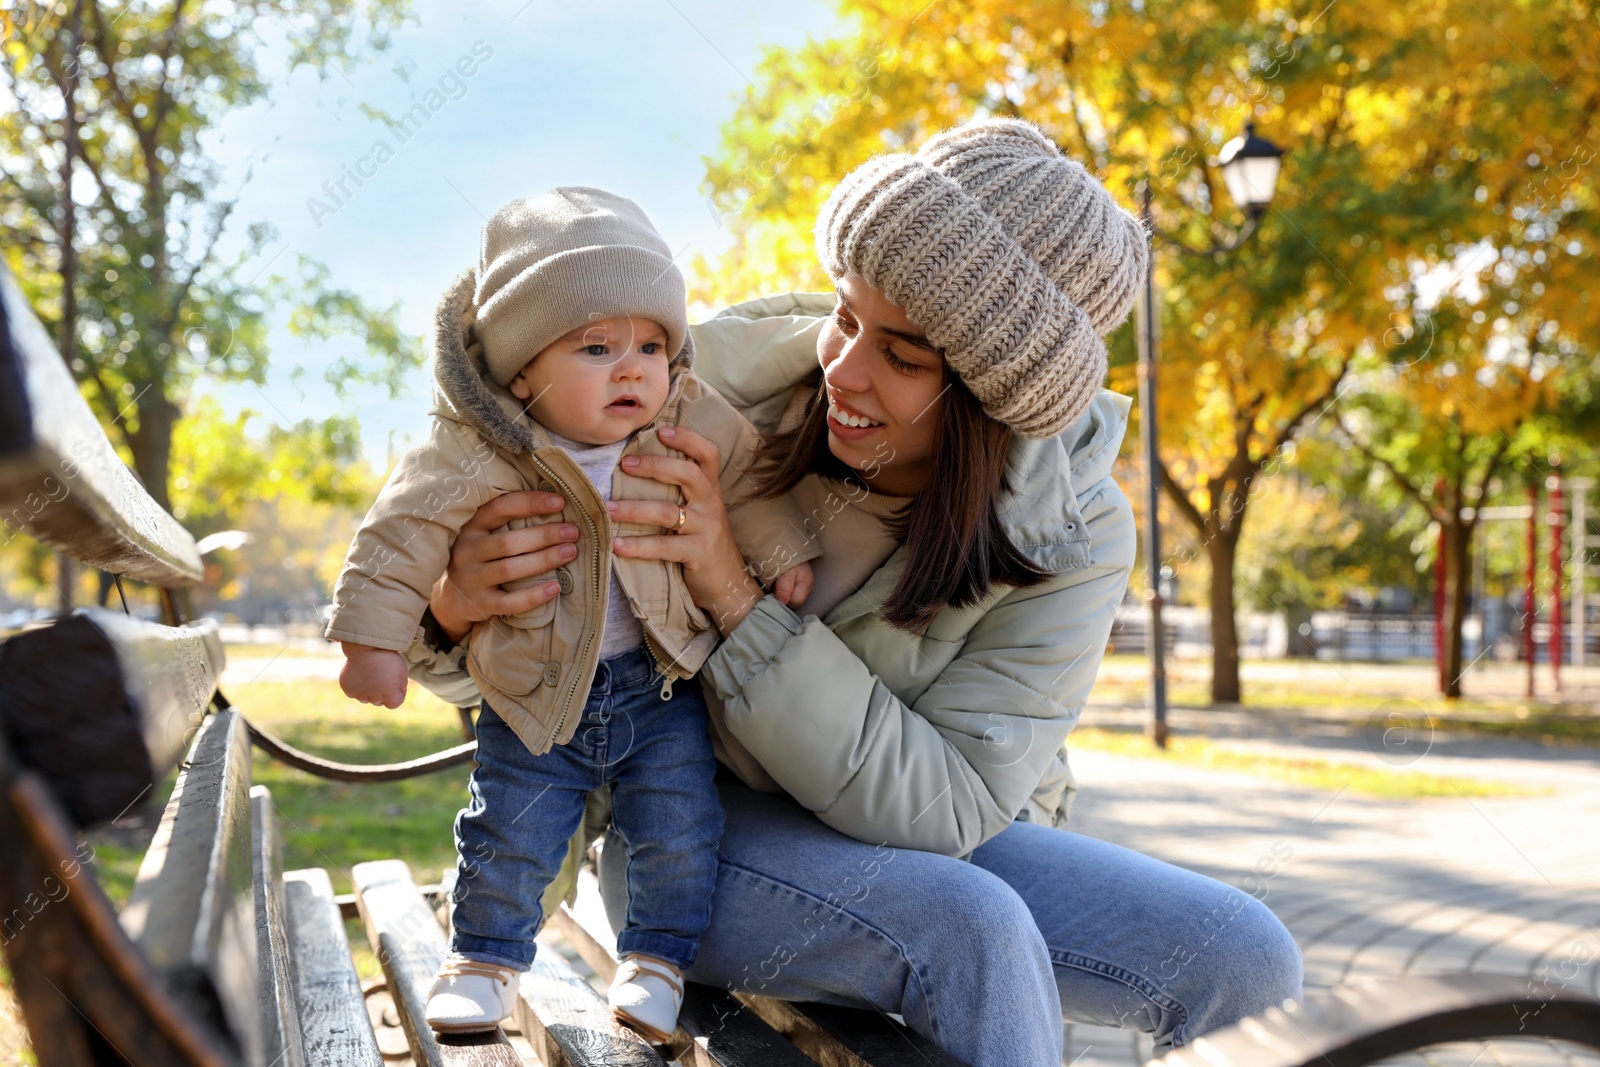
666 686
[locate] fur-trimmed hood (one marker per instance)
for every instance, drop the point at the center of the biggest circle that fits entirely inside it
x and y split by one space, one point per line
536 667
464 392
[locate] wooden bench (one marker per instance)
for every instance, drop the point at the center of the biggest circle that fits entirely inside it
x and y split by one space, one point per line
221 958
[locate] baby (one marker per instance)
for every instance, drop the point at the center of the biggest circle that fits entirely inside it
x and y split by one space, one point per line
568 350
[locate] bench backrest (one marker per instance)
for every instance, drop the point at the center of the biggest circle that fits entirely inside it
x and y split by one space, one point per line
95 710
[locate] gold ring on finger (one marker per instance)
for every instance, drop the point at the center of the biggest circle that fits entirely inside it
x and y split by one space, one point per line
681 517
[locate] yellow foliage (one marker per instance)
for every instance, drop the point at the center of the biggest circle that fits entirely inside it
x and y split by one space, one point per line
1381 147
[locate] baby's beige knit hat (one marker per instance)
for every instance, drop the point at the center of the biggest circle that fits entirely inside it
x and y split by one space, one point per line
1012 257
576 254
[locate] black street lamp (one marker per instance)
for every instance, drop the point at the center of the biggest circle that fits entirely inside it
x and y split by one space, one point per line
1250 170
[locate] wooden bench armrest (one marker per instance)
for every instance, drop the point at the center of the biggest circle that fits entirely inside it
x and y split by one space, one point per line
1369 1021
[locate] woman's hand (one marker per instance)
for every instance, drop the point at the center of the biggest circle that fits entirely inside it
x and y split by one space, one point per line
713 567
482 561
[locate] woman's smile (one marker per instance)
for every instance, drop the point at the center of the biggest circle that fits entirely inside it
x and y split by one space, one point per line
884 382
849 424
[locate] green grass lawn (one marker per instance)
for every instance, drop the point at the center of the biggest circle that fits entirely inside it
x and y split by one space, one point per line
336 824
252 653
1319 774
1556 725
1552 723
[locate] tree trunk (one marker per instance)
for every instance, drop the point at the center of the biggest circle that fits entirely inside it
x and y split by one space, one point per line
1224 629
1458 579
67 337
152 445
67 233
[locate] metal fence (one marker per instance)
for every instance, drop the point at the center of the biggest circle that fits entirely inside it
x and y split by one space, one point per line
1333 636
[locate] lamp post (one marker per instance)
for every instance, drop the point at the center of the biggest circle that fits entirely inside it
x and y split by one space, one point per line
1250 167
1250 170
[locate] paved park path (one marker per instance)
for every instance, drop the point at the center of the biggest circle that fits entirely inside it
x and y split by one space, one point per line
1372 887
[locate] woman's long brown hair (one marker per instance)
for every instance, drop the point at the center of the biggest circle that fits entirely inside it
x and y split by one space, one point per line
958 548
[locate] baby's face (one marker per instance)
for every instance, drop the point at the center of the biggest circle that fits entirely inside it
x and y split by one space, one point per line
599 383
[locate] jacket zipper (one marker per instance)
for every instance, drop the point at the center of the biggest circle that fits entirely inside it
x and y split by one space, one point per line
670 674
600 600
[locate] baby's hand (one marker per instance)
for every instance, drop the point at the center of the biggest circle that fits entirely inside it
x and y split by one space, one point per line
793 585
373 675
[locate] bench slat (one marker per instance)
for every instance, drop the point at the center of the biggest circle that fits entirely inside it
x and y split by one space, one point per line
60 478
567 1022
334 1025
280 1021
81 986
409 943
724 1032
720 1031
850 1037
1371 1021
89 694
569 1025
192 909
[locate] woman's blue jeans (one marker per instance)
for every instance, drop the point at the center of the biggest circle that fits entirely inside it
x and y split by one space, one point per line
523 810
985 958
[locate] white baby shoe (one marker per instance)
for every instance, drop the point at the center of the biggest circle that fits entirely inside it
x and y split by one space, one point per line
470 995
646 995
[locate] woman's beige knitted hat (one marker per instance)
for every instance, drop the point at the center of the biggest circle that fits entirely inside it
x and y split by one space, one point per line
573 255
1011 256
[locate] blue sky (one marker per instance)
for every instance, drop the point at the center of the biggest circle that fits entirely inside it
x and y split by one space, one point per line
624 94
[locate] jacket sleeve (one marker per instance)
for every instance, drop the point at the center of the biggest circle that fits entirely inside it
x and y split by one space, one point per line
952 768
403 544
440 666
770 533
754 353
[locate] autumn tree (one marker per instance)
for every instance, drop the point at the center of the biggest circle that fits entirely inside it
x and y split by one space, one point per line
1491 368
1370 100
1475 411
1319 535
113 212
297 491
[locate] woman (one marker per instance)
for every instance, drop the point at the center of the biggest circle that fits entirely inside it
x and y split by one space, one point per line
895 837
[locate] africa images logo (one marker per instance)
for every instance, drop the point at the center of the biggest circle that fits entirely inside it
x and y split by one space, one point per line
451 86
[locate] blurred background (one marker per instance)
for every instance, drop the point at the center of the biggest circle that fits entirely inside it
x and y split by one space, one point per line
1376 411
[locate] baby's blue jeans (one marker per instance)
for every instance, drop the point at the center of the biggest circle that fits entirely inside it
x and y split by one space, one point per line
512 836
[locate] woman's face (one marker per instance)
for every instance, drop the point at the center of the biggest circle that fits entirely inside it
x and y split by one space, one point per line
879 368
